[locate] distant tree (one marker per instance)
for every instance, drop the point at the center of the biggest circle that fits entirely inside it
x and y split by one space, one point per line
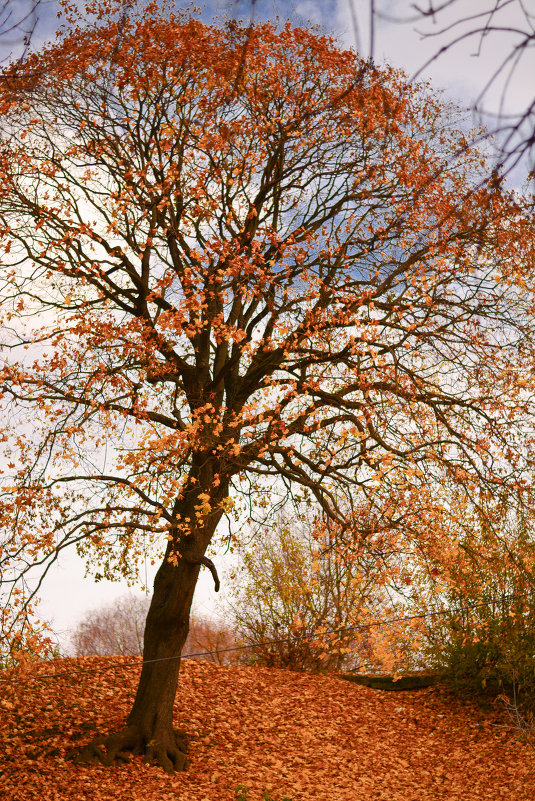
117 628
215 285
216 642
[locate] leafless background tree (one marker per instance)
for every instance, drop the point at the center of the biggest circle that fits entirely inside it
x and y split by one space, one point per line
508 27
18 23
117 628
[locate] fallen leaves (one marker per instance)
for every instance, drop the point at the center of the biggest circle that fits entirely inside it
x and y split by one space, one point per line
296 735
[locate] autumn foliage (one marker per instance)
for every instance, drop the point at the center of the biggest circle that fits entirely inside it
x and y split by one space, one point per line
301 601
483 636
239 263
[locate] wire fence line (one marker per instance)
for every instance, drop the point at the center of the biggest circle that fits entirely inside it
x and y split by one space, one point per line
281 641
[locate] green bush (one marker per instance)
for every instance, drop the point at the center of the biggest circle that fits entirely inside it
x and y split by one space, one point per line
488 644
490 648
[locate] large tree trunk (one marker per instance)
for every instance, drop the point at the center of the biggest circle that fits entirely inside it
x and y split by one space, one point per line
149 726
166 631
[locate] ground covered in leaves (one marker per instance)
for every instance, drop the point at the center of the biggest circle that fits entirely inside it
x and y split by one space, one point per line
282 735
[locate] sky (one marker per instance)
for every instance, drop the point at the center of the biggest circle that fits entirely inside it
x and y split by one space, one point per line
398 39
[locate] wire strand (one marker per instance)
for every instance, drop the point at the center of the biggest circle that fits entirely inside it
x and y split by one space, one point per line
250 646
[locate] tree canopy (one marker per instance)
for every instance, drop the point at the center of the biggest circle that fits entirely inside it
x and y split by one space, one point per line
233 258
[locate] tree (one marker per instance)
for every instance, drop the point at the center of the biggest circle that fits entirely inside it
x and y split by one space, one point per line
215 642
117 628
228 267
18 21
300 599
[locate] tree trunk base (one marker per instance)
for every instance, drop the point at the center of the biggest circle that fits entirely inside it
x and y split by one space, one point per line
166 748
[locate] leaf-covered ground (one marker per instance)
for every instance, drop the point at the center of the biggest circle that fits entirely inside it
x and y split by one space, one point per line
295 735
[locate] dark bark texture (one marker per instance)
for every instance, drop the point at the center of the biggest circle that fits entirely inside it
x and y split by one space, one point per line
149 727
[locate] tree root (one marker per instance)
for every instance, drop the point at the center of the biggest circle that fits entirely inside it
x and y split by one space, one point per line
165 749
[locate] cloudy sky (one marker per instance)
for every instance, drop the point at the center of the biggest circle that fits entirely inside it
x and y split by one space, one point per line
398 37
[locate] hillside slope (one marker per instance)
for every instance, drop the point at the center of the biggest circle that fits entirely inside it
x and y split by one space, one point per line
296 735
